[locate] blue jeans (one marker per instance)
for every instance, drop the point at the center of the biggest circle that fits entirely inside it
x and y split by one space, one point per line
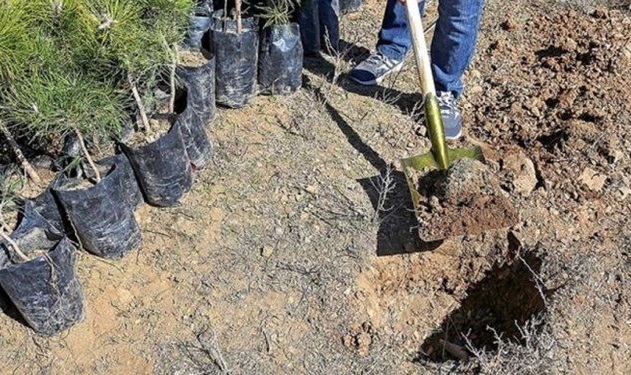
453 44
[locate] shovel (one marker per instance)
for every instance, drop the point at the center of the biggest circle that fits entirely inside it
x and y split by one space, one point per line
440 156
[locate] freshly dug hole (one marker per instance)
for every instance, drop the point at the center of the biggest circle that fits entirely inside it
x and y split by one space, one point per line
466 199
503 301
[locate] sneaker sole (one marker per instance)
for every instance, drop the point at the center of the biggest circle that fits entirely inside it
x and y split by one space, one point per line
376 81
454 138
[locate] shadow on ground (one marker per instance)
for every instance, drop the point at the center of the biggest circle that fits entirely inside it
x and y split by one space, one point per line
495 307
387 191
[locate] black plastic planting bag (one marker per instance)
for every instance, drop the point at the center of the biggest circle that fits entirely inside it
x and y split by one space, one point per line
280 60
198 26
319 25
236 55
102 215
350 6
163 169
45 289
46 205
130 189
199 112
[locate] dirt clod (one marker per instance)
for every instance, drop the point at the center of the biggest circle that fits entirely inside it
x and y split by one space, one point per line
465 200
522 169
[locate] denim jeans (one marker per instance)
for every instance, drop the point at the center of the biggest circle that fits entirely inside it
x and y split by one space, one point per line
319 25
453 44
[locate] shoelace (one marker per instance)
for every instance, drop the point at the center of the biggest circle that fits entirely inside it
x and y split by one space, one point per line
446 102
378 59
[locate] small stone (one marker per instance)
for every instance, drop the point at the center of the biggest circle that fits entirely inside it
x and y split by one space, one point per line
267 251
601 13
623 193
311 189
570 44
592 179
510 25
363 344
475 90
523 170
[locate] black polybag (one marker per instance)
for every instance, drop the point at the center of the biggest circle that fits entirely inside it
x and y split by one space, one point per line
162 168
102 216
45 289
280 60
47 206
131 190
236 60
198 26
199 112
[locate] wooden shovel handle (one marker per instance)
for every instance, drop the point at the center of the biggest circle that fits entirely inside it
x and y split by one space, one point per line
421 54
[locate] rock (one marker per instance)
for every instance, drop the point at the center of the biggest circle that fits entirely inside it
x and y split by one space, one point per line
592 179
523 171
267 251
601 13
311 189
510 25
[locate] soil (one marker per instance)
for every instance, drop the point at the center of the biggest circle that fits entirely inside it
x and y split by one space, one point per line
85 183
158 126
297 250
192 59
464 200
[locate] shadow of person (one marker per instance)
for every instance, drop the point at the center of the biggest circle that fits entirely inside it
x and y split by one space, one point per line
398 227
387 191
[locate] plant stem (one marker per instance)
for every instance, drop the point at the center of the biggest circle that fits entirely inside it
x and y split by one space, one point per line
97 174
225 15
26 166
9 240
237 14
141 107
172 80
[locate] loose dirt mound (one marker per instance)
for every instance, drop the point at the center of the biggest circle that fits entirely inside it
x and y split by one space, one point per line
466 200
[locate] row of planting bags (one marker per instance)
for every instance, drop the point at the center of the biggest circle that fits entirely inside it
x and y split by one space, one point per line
44 288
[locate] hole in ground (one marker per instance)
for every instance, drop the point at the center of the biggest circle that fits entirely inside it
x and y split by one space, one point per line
504 300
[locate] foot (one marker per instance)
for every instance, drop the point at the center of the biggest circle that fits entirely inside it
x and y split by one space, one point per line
452 121
374 69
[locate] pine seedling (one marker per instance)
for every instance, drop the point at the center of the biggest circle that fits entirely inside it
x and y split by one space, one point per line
15 53
58 103
136 38
277 12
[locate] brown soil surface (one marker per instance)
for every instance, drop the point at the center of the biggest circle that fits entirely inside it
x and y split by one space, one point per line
297 250
159 125
464 200
192 59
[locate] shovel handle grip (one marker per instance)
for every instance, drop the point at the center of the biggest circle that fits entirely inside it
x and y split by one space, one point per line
420 47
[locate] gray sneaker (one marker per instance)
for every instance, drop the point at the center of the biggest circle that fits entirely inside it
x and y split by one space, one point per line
452 121
374 69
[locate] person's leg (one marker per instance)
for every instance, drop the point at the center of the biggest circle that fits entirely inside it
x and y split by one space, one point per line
392 46
329 15
394 37
454 41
